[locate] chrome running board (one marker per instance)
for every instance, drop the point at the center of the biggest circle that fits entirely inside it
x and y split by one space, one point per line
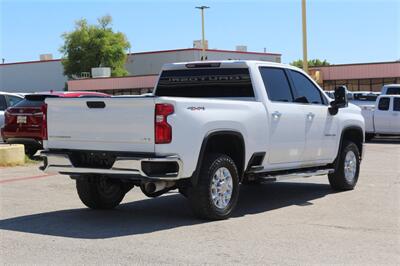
281 177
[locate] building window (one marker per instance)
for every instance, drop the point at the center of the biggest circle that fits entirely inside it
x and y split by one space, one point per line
376 84
329 85
352 85
365 85
390 81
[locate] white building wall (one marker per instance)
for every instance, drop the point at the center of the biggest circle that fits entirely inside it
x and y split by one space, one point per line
151 63
48 75
32 76
215 55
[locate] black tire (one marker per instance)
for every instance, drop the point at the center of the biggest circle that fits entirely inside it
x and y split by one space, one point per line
255 182
338 180
369 136
98 192
30 151
200 196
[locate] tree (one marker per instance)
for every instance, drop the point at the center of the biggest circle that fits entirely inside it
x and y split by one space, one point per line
91 46
311 63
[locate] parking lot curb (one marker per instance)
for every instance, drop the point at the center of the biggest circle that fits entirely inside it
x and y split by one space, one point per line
12 155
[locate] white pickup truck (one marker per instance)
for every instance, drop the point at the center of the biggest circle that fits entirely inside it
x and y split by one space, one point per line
391 89
208 127
383 118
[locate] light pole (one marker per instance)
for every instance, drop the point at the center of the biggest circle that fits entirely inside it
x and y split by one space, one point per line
203 42
304 22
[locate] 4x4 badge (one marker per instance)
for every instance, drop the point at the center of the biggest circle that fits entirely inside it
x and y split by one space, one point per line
199 108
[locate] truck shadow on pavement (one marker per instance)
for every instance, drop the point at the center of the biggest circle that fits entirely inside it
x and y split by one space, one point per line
167 212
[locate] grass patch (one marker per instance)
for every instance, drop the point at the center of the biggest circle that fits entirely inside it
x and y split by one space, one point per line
34 160
27 161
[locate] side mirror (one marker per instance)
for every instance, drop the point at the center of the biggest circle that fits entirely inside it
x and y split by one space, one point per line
340 101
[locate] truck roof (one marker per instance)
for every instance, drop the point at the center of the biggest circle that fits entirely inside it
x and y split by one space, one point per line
391 85
69 94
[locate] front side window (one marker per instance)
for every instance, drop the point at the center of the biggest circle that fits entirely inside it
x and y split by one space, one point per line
306 91
3 103
396 104
276 84
384 104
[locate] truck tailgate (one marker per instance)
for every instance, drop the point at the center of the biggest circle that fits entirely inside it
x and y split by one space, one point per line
106 124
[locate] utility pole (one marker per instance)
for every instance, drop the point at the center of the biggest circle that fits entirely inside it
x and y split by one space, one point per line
203 41
304 22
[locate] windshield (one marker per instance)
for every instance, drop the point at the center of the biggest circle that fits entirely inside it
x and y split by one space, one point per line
365 97
393 90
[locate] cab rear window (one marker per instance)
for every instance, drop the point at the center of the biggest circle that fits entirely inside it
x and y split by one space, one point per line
205 83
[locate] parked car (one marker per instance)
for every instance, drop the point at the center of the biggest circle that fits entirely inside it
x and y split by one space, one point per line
24 121
208 127
7 100
391 89
384 118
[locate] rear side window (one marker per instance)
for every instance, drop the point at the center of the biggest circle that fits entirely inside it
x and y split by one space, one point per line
396 104
306 91
384 104
12 100
393 90
3 103
205 83
276 84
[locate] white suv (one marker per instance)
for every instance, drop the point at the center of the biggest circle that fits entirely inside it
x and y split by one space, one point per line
7 100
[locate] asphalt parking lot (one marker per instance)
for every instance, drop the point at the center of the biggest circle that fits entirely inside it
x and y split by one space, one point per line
303 221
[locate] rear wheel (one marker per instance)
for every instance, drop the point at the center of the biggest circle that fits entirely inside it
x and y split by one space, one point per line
347 170
216 193
98 192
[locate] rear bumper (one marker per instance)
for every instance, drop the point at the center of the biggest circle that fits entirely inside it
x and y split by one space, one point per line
123 167
25 141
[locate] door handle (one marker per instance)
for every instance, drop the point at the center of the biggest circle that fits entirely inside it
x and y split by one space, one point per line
276 115
96 104
310 116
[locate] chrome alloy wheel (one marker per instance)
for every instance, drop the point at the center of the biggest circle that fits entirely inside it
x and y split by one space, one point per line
221 188
350 166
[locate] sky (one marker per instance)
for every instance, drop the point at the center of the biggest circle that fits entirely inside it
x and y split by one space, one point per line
352 31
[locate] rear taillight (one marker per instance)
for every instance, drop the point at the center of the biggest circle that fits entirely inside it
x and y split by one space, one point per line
6 116
163 130
44 121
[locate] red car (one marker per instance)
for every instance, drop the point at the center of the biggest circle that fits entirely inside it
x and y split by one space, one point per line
23 121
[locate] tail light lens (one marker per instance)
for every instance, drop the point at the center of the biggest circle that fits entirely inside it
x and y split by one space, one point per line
6 116
163 130
44 122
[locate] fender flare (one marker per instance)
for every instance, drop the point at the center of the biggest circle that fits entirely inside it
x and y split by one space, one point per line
195 176
344 130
